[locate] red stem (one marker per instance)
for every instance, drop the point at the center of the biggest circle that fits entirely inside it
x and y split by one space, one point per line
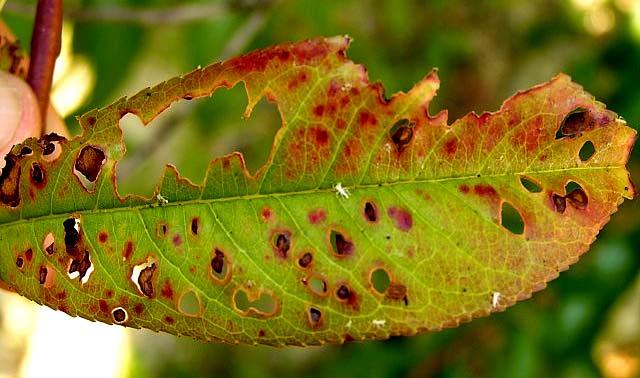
45 47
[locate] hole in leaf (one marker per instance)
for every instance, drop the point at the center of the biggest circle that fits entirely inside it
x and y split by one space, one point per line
511 219
370 212
20 262
119 315
318 285
263 304
314 316
220 266
530 185
183 131
305 260
48 244
50 144
380 280
340 244
81 268
71 235
88 165
26 151
282 244
189 304
587 150
574 123
402 134
46 276
576 195
571 186
142 276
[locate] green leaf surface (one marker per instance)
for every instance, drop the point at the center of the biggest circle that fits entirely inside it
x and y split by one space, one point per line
370 218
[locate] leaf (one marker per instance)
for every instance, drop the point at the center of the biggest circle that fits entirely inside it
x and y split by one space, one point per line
371 217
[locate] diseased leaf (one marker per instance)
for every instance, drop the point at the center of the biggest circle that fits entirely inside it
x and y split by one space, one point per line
371 217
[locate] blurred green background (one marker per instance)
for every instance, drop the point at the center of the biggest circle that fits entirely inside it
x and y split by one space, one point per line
585 324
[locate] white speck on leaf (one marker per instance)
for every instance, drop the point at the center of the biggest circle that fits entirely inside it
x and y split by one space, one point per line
342 191
349 323
379 322
161 200
495 299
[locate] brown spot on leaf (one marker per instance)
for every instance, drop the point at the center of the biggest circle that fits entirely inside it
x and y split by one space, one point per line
281 244
343 293
366 118
127 251
464 188
397 291
401 218
42 274
169 320
104 307
300 78
578 198
402 134
320 135
261 333
102 237
305 260
317 216
176 240
347 295
318 110
451 146
38 175
145 280
28 254
266 213
220 266
341 245
559 202
89 162
162 229
167 290
10 181
484 190
138 309
91 120
370 212
195 225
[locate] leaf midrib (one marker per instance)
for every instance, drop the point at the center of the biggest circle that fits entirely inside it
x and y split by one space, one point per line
310 191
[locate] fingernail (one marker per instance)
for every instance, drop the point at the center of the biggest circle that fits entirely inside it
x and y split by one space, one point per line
10 110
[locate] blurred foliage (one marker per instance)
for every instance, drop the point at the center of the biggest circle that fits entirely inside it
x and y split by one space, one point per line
485 50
